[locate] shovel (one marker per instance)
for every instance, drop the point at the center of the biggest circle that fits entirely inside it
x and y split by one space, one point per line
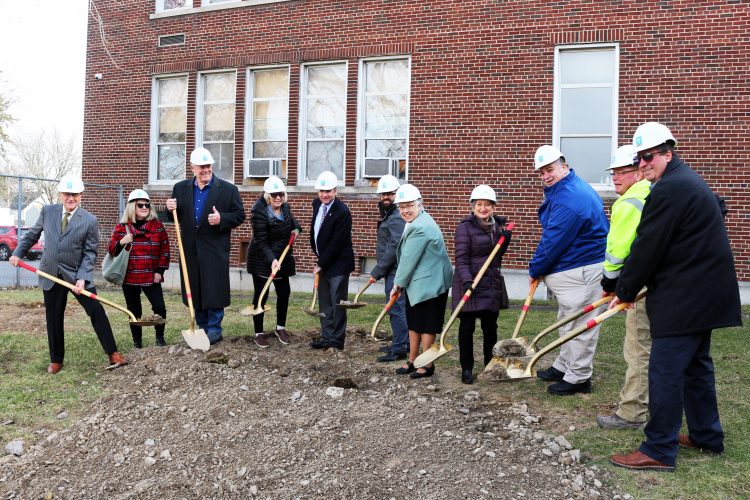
435 351
252 311
86 293
311 311
354 305
387 308
196 339
525 308
515 369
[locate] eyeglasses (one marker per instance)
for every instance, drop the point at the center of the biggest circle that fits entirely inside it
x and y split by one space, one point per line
384 195
406 206
71 195
143 205
647 157
276 195
623 172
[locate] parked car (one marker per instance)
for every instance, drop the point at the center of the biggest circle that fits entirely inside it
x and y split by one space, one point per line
9 242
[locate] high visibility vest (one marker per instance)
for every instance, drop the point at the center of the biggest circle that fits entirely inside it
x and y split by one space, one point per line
626 215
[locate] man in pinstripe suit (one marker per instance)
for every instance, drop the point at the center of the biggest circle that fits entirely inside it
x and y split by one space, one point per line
71 241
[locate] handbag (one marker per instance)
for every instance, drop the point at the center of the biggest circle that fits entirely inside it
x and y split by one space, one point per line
115 267
504 299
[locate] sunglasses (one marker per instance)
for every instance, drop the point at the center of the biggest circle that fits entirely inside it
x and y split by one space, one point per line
276 195
647 157
143 205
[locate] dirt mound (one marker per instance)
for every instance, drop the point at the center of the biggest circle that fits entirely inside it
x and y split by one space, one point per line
288 422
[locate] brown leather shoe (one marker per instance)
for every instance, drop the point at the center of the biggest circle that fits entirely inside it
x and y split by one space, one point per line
54 368
683 440
116 360
640 461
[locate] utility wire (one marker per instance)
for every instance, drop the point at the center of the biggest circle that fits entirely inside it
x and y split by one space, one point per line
98 18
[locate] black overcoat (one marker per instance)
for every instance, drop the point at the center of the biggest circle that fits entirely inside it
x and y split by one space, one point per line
336 255
270 237
207 247
681 253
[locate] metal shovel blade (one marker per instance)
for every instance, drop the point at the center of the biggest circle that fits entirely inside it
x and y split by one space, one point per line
509 369
196 339
434 352
250 311
315 313
346 304
148 322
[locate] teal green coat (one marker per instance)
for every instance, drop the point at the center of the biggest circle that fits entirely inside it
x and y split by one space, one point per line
424 268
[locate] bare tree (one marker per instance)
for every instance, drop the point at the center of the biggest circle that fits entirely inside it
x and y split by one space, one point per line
5 120
46 155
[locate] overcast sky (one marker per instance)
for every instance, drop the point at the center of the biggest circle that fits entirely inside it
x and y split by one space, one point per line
42 64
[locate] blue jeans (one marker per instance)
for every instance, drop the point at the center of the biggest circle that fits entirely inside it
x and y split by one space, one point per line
397 315
681 378
210 321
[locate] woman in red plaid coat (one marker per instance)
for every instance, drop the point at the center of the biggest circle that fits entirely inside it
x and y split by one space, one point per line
149 259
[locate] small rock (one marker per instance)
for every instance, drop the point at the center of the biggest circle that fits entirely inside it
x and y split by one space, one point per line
304 482
597 483
448 434
575 455
216 357
563 442
335 392
374 380
119 458
554 447
465 411
241 471
572 428
253 490
490 454
15 447
244 388
149 442
62 415
234 363
594 493
149 461
296 396
166 455
546 452
422 472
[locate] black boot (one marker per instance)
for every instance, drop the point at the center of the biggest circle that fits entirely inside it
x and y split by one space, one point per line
466 376
160 341
137 344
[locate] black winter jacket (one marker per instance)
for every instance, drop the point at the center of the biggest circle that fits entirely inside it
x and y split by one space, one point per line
270 237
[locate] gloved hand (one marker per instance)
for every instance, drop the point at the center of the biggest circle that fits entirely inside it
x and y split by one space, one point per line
467 285
609 284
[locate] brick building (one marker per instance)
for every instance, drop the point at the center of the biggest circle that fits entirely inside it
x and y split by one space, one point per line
443 93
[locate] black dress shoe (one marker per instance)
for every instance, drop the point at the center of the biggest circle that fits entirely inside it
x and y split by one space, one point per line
392 356
160 341
385 349
467 377
319 344
551 374
563 388
429 371
137 344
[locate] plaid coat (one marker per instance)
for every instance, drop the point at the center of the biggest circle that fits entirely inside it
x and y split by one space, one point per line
149 253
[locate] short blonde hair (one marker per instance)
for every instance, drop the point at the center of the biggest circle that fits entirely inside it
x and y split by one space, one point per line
128 216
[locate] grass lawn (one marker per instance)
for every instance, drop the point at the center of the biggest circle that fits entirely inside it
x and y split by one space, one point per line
31 399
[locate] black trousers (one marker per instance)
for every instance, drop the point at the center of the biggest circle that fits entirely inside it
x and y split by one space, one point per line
283 290
55 300
133 302
488 321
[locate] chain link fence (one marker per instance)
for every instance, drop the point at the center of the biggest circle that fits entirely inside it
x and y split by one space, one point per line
21 202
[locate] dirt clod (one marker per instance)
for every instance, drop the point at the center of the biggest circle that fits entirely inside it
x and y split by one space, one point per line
508 348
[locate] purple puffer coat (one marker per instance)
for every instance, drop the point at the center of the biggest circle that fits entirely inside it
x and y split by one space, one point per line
473 245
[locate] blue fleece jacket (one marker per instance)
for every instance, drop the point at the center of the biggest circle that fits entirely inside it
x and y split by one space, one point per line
574 228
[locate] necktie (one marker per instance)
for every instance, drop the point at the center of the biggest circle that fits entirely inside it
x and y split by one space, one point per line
325 211
65 220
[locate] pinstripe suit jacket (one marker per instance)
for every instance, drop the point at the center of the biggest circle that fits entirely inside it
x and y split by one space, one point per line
70 254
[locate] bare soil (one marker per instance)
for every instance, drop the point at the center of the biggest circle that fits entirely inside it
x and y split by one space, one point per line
242 422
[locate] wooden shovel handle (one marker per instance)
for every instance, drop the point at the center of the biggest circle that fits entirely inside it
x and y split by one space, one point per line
525 308
183 265
387 308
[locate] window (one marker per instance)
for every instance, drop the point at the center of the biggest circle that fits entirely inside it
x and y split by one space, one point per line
215 120
168 127
322 121
162 5
267 122
585 110
383 118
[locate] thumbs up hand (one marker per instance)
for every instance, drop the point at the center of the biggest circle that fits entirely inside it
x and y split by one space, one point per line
214 218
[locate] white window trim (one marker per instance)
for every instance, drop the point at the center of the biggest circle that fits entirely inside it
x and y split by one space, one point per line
199 110
197 6
361 103
154 133
302 121
615 98
249 85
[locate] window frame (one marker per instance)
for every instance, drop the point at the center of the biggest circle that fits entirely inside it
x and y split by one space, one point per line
249 96
199 113
153 167
361 114
160 6
302 121
557 100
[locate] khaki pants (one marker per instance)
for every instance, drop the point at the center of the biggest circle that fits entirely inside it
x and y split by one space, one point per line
574 289
636 350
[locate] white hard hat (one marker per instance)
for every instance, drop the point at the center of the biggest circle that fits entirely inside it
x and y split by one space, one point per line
138 194
388 184
407 193
274 185
483 192
70 184
625 156
201 156
546 155
326 181
650 135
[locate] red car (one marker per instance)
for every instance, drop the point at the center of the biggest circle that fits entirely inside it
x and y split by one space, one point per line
9 242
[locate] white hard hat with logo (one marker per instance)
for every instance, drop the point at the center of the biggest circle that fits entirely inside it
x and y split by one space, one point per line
201 156
274 185
326 181
138 194
483 192
546 155
388 184
70 184
407 193
652 134
625 156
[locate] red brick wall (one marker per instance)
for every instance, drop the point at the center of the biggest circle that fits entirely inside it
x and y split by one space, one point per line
481 97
